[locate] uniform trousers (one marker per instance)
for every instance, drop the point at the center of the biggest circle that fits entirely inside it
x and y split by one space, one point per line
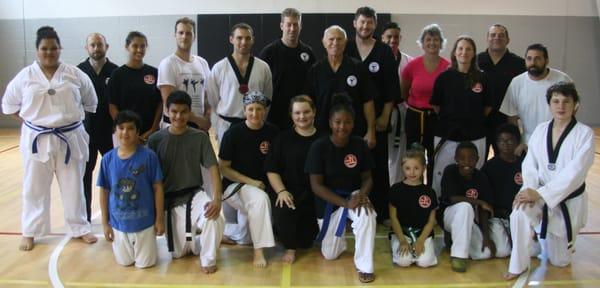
396 144
135 247
253 216
426 259
459 221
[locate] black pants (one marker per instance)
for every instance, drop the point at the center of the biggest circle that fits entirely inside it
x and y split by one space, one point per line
381 177
419 127
102 146
296 229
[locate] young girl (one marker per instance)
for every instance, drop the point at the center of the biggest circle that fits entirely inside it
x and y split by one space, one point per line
412 213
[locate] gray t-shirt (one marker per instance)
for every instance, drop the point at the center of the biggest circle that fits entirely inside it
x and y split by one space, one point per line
181 158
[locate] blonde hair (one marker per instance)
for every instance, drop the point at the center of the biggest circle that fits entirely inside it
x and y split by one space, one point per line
415 154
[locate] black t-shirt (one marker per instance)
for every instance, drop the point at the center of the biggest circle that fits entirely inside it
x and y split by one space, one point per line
506 180
287 158
288 68
453 184
99 124
341 167
500 74
461 115
413 203
383 70
351 77
135 90
247 150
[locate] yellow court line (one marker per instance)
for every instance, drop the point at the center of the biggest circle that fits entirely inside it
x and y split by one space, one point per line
286 275
24 282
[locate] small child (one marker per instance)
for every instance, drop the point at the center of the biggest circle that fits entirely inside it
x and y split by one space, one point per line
504 174
466 195
412 214
130 181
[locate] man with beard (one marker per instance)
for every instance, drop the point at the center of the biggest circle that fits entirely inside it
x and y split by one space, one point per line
526 95
501 66
98 125
379 60
186 72
289 60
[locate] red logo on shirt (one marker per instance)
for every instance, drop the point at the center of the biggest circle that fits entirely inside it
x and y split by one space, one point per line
264 147
477 88
472 193
424 201
149 79
518 178
350 161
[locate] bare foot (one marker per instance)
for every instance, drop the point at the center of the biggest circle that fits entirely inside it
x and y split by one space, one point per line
26 244
88 238
510 276
289 256
209 269
259 259
228 241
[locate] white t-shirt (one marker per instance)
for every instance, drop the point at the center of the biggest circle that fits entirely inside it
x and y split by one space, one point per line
223 87
526 98
186 76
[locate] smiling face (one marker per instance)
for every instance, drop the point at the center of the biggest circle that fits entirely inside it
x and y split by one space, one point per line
391 37
127 133
562 107
334 42
432 44
48 52
179 114
466 159
290 28
413 170
137 49
242 41
341 124
365 26
303 115
497 39
255 115
464 52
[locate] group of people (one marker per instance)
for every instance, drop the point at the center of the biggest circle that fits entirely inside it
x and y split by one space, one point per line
367 133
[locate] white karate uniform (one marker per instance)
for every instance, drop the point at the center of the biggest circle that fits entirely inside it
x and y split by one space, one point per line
253 216
395 153
137 247
206 234
223 91
190 77
574 160
426 259
29 94
459 221
445 157
363 227
526 98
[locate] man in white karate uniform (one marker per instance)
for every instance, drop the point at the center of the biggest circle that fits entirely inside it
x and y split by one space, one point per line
553 198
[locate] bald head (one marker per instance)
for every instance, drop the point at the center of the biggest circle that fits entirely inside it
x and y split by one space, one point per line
96 46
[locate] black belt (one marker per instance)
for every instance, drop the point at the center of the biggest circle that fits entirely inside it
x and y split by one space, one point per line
566 216
169 205
166 119
236 189
232 120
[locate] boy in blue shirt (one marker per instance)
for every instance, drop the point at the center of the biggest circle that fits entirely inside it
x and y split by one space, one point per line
130 181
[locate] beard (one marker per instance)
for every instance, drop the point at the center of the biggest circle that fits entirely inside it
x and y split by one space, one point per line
536 71
97 56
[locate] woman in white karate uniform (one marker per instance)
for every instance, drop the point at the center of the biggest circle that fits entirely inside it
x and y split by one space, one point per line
50 98
553 198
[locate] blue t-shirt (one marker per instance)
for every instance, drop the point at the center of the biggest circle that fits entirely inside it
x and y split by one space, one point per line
131 197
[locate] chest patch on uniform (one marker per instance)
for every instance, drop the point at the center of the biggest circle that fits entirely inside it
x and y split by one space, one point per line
518 178
350 161
351 81
304 56
149 79
374 67
424 201
472 193
264 147
477 88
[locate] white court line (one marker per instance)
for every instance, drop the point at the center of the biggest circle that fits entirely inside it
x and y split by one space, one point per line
522 280
53 261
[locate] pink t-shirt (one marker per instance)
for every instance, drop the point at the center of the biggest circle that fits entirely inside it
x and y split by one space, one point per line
421 81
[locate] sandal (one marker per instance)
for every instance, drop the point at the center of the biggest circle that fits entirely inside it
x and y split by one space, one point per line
366 277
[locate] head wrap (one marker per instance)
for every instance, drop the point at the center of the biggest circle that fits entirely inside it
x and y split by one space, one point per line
256 97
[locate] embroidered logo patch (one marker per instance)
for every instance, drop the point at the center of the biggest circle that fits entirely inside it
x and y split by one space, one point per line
472 193
304 56
518 178
149 79
264 147
106 81
424 201
351 81
477 88
373 67
350 161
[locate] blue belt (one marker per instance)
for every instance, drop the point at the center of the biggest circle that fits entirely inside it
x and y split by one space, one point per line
327 217
59 132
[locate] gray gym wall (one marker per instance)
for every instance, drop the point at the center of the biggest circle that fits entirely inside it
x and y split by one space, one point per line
573 43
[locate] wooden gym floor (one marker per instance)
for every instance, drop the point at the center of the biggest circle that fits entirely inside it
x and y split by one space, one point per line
59 261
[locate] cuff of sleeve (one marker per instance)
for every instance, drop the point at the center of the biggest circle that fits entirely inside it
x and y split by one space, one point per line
10 109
